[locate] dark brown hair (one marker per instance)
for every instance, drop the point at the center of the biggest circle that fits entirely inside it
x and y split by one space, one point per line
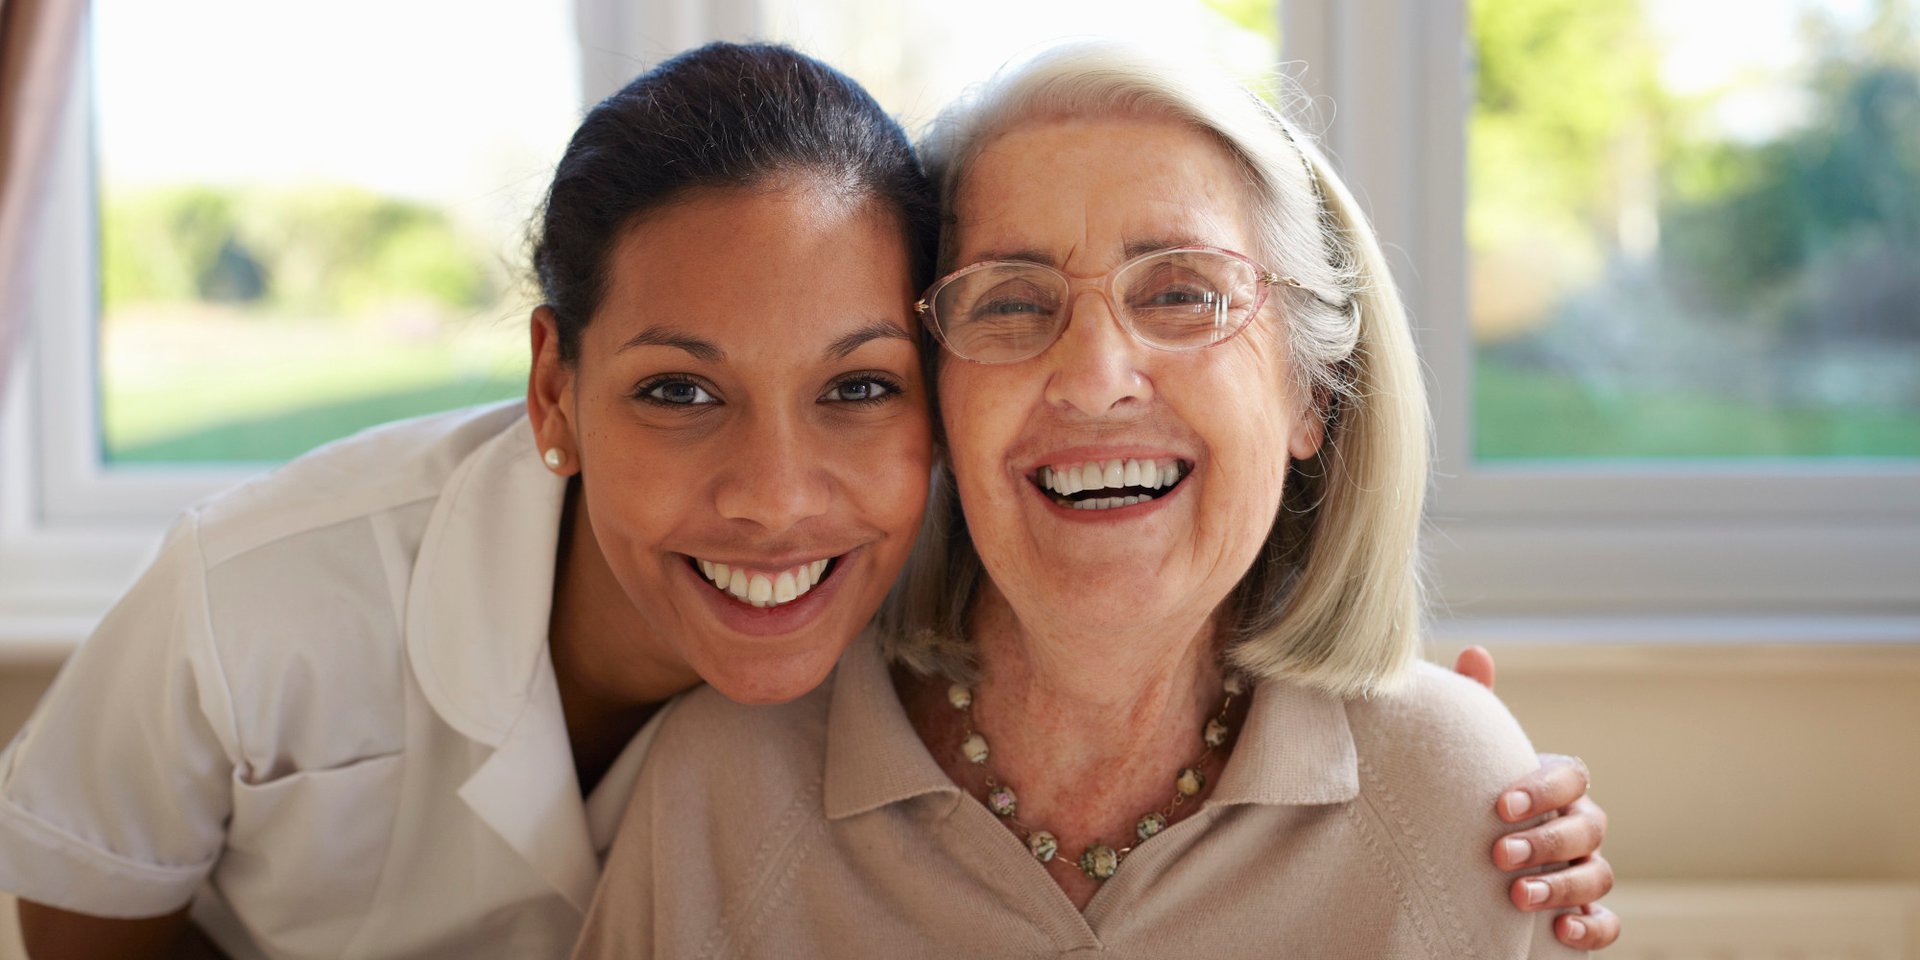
722 115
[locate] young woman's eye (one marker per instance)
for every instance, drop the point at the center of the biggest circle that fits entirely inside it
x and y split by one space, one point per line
675 393
862 390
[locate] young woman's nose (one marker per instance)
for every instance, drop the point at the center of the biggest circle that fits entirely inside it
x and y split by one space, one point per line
773 477
1096 365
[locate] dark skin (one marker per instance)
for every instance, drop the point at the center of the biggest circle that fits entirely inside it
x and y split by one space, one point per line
600 721
1573 838
51 934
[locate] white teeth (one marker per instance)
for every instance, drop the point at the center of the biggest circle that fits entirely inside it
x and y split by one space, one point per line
1108 503
1109 475
764 590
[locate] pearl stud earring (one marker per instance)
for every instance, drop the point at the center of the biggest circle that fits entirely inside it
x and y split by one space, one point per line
552 458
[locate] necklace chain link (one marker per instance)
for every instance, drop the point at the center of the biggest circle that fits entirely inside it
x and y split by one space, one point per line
1098 861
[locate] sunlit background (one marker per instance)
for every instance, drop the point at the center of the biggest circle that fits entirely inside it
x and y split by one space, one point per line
1695 229
1693 226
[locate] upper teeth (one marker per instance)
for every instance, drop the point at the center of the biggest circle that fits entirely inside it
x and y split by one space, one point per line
764 589
1069 479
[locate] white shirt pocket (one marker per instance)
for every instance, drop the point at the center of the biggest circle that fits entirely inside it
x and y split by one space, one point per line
305 852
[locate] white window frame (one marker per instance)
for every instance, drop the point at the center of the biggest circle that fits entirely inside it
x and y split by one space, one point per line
1788 551
1834 540
74 532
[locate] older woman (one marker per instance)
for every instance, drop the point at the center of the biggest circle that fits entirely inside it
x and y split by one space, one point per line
1153 686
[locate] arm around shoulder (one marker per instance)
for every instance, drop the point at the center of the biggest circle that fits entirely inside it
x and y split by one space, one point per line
1433 758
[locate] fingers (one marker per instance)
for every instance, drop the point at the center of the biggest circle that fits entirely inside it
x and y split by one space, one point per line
1577 834
1476 664
1575 885
1558 783
1593 927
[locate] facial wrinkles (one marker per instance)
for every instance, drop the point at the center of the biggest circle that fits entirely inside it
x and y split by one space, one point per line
995 210
1085 220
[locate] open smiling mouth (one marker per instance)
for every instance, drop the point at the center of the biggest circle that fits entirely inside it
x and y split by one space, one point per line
1109 484
757 588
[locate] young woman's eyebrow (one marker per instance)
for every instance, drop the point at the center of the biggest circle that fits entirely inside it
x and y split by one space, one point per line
877 330
669 337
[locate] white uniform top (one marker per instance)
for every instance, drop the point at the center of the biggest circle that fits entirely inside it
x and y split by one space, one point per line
327 715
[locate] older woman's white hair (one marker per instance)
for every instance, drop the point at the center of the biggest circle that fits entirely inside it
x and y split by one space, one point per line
1335 599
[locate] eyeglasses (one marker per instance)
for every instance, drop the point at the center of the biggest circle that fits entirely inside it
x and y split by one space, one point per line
1184 298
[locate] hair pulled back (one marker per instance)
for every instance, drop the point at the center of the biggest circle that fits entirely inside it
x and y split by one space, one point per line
722 115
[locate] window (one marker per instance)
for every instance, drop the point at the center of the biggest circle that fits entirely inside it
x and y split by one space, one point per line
305 227
1694 233
1579 524
1633 420
311 217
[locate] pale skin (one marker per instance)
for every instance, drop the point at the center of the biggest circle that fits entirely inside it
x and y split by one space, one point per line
1098 633
771 461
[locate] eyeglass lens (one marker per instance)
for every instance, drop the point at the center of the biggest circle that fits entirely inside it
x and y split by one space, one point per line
1178 300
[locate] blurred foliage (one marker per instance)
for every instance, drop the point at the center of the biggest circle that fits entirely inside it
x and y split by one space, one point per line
1563 87
319 249
1816 232
1650 280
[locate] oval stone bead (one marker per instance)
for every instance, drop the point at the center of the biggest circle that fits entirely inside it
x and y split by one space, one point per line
960 696
1099 861
1149 825
974 748
1235 685
1044 845
1216 733
1190 782
1001 801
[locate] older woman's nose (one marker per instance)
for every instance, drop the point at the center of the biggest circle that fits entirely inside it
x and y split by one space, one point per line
772 478
1096 364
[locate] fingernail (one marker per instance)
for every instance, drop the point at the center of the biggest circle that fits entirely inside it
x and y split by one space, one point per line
1536 892
1518 849
1576 930
1518 803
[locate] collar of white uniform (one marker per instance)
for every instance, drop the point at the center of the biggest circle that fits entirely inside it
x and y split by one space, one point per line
477 614
482 587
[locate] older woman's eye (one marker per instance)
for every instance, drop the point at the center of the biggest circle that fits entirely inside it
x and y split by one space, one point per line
673 392
862 390
1180 297
1010 307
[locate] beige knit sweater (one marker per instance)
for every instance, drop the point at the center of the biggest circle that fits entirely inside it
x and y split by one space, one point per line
823 828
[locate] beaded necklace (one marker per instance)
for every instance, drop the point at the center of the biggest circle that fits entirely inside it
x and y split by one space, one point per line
1098 861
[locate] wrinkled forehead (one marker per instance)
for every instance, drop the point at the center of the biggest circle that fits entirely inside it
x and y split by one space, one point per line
1094 188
